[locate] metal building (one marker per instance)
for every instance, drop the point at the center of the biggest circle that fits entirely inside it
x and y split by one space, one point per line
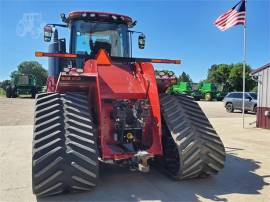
262 74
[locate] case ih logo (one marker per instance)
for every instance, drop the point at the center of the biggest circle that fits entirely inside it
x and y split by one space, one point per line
30 24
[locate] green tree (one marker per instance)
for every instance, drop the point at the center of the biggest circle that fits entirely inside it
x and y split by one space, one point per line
184 77
35 68
236 77
219 73
4 84
255 89
230 75
12 74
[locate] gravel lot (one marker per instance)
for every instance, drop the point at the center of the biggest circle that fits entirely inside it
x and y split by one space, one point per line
20 111
17 111
246 175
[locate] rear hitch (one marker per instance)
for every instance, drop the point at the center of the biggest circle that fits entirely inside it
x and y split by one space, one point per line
140 161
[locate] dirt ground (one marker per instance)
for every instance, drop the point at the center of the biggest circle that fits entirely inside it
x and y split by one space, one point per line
246 175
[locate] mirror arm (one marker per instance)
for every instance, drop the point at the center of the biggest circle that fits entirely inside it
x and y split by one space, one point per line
57 25
135 32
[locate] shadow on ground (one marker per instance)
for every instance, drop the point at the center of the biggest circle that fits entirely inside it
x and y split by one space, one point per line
24 97
248 112
119 184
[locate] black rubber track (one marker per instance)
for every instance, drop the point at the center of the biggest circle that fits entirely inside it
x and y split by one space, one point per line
191 146
65 156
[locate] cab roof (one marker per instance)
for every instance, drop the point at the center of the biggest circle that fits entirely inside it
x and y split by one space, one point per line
99 16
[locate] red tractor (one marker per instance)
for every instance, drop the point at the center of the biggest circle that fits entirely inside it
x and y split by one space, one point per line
104 106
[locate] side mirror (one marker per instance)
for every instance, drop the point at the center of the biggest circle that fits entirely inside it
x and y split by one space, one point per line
141 41
63 17
62 45
48 30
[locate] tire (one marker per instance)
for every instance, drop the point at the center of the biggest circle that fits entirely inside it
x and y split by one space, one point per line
191 146
255 109
219 98
229 107
33 92
14 92
8 92
65 154
208 97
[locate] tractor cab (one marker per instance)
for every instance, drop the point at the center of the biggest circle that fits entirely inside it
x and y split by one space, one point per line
89 33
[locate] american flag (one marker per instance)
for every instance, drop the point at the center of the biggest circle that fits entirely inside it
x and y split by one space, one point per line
234 16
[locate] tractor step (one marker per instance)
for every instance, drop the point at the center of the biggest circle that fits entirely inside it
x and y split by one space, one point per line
65 155
191 146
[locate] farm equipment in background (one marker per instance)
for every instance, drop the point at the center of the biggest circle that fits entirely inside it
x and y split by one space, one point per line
181 88
210 91
22 84
104 105
206 91
43 89
185 88
222 91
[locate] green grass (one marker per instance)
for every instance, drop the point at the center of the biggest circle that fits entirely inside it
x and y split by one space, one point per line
2 92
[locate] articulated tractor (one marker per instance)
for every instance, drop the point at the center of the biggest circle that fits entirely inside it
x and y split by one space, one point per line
103 105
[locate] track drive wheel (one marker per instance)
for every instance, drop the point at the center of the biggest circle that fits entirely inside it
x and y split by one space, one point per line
65 154
220 98
255 109
191 146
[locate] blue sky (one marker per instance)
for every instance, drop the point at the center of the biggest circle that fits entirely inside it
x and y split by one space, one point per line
174 30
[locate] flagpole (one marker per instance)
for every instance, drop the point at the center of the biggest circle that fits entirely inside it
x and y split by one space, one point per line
244 69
